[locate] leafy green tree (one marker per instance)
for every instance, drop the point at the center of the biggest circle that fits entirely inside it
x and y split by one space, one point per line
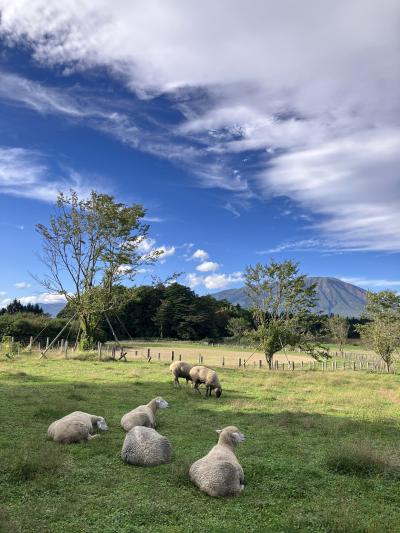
281 304
88 247
382 331
237 327
338 327
17 307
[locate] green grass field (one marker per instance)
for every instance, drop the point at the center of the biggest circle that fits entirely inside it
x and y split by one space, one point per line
322 451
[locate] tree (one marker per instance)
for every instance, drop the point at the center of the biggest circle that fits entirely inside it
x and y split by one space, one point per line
17 307
237 327
339 329
382 331
281 304
88 247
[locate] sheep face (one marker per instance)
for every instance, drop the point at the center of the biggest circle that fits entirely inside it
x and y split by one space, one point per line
161 403
102 424
231 435
218 392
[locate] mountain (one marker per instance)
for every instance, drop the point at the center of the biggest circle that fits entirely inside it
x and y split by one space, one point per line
52 309
333 296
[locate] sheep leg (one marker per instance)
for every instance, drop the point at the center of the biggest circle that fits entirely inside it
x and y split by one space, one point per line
196 386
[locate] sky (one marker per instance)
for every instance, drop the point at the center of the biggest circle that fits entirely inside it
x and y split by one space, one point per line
249 131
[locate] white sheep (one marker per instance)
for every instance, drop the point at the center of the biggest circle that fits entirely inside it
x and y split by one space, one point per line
219 472
202 374
180 369
144 415
143 446
76 427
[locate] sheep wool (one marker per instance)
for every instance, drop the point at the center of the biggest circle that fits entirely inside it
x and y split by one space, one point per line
202 374
219 472
180 369
144 446
76 427
144 415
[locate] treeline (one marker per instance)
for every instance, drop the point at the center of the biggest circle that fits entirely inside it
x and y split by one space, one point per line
156 311
167 311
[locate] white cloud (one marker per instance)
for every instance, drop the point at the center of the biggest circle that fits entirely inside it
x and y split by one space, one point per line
25 173
199 255
22 285
146 245
380 284
321 105
214 281
3 293
43 298
166 251
207 266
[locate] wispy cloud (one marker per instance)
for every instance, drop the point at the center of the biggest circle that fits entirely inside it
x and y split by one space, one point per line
198 255
26 173
320 111
373 283
43 298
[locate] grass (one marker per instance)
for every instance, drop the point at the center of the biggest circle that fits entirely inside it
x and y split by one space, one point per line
321 453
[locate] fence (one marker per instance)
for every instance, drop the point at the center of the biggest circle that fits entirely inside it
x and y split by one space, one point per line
340 362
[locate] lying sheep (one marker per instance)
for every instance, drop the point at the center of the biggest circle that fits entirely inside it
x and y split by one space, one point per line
76 427
144 415
202 374
143 446
180 369
219 472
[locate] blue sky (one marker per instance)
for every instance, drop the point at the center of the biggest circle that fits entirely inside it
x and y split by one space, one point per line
270 131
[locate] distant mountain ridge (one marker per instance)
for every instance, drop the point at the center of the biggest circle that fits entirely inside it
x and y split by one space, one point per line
334 296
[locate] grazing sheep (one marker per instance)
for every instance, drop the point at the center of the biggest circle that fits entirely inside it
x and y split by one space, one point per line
143 446
180 369
76 427
144 415
202 374
219 472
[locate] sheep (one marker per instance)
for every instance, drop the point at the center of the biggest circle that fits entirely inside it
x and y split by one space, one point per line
143 446
202 374
219 472
76 427
180 369
144 415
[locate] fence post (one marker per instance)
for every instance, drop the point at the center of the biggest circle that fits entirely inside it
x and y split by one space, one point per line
158 356
99 350
148 354
259 363
240 362
293 363
354 365
180 357
66 349
172 355
223 361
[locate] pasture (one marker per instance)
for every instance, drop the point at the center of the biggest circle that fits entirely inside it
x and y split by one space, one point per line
322 451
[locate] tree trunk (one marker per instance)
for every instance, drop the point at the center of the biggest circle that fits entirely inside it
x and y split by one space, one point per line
269 358
87 338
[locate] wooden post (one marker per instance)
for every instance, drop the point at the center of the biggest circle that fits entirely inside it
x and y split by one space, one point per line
159 356
259 363
47 343
223 361
244 363
172 355
354 365
113 352
99 350
293 363
302 365
240 362
180 357
30 343
283 366
148 354
66 349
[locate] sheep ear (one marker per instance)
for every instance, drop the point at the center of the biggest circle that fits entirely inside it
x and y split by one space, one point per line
218 431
